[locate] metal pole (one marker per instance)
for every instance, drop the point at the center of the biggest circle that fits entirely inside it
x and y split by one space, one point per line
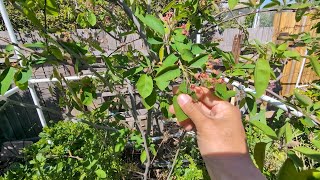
268 99
256 19
37 103
9 28
301 69
13 39
11 91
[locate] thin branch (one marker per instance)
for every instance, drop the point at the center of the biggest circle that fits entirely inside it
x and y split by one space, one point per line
26 105
134 114
122 45
140 29
176 156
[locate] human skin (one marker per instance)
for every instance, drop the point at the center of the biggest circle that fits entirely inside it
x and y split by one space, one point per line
220 135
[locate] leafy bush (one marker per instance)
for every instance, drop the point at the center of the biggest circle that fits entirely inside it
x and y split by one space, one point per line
71 151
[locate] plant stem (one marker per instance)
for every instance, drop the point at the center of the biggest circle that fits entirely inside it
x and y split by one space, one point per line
144 136
176 156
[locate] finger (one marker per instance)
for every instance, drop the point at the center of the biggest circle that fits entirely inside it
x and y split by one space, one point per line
175 89
206 96
188 125
171 109
191 109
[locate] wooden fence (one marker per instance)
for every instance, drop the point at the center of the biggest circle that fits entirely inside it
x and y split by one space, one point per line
284 24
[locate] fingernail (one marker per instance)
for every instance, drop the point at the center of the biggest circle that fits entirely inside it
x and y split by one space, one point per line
183 99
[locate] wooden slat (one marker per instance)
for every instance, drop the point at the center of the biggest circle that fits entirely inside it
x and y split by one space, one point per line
284 22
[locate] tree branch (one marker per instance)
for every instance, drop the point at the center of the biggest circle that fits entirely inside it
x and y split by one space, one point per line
144 137
140 29
176 156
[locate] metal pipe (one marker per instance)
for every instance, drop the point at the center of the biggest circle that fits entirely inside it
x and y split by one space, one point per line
9 28
37 103
268 99
70 78
11 92
13 39
301 69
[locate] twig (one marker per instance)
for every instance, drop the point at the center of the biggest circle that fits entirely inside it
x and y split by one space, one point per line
27 105
107 128
140 29
134 114
122 45
176 156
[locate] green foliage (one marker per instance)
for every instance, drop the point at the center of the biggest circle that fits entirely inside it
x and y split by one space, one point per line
71 150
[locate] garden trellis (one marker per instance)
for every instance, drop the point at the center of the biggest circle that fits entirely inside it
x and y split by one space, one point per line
36 101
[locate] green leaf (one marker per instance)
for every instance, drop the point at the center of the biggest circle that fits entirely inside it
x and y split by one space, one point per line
313 154
150 100
154 23
303 99
21 78
296 160
287 171
92 164
289 134
143 156
232 3
91 18
222 92
199 61
52 8
170 60
101 173
166 75
261 76
291 54
252 105
282 47
145 85
6 79
181 116
9 48
300 13
315 64
154 41
259 154
87 98
316 143
162 85
265 129
310 174
195 49
186 55
56 52
40 157
35 45
169 6
32 17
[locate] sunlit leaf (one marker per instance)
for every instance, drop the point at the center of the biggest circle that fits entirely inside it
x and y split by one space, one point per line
181 116
261 76
6 79
265 129
101 173
145 85
232 3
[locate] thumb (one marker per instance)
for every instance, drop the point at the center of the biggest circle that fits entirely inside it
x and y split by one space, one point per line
191 109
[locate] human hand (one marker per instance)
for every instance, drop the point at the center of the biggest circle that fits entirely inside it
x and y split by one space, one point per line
220 134
217 123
